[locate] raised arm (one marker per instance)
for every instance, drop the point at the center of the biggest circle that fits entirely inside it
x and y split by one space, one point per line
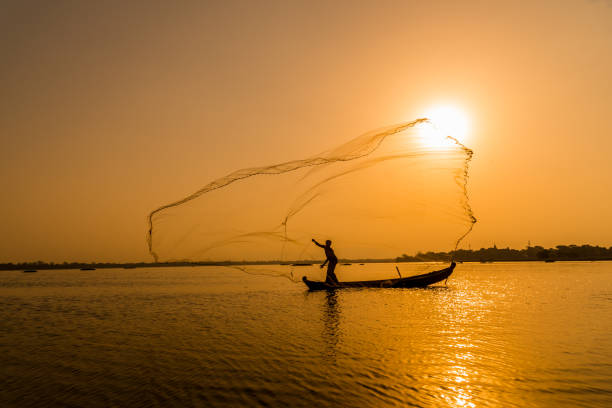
317 244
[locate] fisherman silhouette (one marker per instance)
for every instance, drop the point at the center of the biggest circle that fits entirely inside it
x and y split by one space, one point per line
331 261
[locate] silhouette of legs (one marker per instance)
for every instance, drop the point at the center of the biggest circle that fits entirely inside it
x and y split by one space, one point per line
331 276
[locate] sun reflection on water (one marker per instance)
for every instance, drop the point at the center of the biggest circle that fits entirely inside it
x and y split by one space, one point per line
459 378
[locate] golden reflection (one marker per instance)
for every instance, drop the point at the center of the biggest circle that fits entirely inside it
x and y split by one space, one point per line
459 378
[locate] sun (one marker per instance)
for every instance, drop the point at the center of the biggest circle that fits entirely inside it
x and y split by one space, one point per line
444 120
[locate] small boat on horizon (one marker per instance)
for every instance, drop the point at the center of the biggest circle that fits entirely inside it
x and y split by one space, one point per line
30 271
417 281
88 269
301 264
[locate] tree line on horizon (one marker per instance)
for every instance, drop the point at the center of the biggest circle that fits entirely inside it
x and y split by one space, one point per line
530 253
492 254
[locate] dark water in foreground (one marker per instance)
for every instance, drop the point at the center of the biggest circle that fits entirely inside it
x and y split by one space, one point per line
503 334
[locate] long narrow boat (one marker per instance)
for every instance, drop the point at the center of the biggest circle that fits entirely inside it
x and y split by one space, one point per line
417 281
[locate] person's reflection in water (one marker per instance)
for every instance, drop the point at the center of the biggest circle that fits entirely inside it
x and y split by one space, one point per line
331 320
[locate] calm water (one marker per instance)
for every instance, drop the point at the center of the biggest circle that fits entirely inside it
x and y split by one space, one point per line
502 334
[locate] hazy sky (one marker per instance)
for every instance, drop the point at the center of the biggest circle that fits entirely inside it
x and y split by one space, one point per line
110 109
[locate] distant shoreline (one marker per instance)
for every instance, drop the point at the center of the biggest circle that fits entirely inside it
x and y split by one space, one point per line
484 255
95 266
531 253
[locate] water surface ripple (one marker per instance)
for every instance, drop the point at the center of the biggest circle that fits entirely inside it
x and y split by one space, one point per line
503 334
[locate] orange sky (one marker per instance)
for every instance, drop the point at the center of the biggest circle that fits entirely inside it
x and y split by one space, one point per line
109 110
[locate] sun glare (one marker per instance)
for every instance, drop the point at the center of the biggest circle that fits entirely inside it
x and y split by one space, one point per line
445 120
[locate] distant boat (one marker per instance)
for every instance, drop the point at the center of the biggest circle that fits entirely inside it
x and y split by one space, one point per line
301 264
30 271
347 264
418 281
88 269
129 267
549 260
361 264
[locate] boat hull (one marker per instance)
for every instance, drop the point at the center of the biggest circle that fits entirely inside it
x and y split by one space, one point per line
418 281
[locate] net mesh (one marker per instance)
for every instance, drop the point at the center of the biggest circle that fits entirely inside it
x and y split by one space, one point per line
392 191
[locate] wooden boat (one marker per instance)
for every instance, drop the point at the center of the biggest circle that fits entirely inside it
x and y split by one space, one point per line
417 281
88 269
30 271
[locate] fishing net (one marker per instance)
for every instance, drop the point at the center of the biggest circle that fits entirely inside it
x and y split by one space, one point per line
393 191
